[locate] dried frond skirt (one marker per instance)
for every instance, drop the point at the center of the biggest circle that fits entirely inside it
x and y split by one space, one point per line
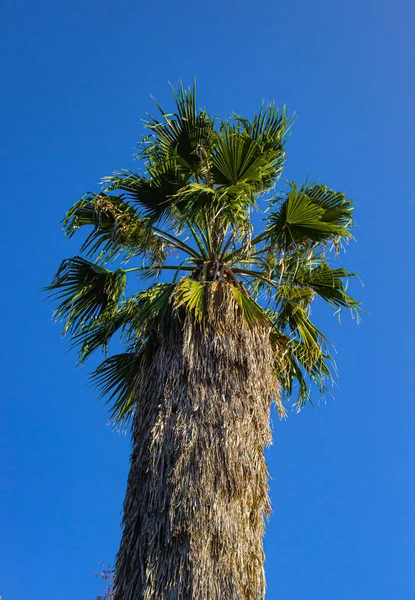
197 491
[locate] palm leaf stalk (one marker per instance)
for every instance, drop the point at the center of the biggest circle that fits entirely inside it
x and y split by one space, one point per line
221 329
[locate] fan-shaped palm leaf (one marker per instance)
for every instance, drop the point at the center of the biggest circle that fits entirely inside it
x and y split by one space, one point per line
85 290
307 215
186 134
117 229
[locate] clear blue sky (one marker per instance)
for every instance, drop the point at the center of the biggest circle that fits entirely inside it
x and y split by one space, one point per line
76 80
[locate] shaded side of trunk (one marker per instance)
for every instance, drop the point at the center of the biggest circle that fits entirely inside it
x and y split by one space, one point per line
197 490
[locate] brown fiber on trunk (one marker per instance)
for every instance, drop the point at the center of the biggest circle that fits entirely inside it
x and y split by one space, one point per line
197 490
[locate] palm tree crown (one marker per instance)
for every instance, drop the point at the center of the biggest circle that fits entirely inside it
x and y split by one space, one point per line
188 214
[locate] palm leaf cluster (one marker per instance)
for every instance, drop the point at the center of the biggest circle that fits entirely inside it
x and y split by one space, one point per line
183 222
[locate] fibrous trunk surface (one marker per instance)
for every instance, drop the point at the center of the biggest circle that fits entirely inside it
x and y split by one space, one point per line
197 490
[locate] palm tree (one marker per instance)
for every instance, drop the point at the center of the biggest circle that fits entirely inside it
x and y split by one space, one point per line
209 348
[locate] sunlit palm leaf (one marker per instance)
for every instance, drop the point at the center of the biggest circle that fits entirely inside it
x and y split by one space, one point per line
252 311
191 294
309 216
239 158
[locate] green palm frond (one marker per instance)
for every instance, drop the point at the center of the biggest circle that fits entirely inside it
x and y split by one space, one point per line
153 194
186 134
145 316
153 310
270 127
328 283
117 229
252 311
293 304
339 208
84 291
300 363
116 379
96 333
146 311
191 294
196 200
193 201
304 368
240 159
312 214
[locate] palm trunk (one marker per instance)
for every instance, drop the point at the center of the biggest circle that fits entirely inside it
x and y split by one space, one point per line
197 490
